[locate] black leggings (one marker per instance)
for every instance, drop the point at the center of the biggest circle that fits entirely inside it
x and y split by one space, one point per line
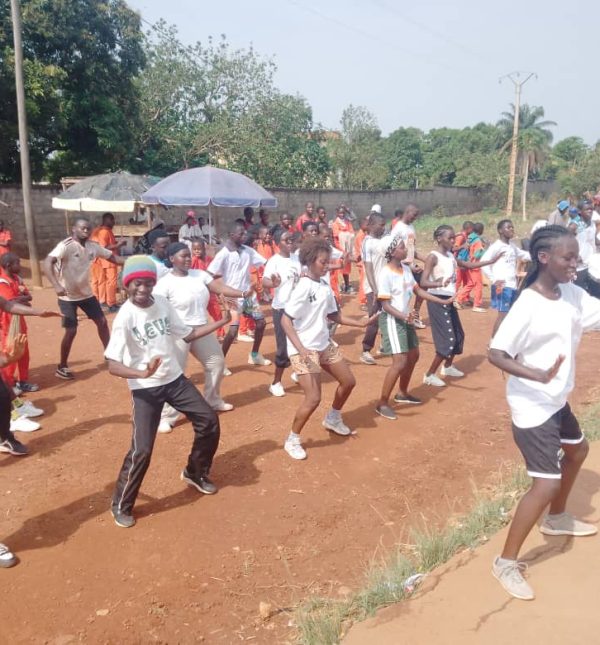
5 411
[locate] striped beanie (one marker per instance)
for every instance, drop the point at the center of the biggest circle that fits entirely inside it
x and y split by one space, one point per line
138 266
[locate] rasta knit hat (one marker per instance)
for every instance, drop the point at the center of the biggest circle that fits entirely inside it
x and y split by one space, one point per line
136 267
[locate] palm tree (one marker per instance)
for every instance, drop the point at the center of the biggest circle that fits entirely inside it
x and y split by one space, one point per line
534 141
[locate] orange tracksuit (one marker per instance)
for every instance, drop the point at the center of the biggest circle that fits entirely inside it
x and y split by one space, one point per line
104 273
358 241
11 288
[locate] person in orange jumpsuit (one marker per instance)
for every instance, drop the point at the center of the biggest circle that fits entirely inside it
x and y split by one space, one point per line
343 236
358 242
104 273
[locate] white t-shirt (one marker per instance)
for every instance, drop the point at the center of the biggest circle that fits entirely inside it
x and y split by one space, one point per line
396 285
371 252
234 266
408 234
336 255
73 267
505 269
139 335
587 245
536 331
288 269
309 305
188 295
187 232
161 268
444 268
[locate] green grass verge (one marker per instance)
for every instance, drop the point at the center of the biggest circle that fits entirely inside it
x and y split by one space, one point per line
324 621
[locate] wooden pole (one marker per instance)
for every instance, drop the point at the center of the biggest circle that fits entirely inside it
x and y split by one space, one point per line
24 145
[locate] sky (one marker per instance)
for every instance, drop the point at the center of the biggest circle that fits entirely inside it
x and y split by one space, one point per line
425 64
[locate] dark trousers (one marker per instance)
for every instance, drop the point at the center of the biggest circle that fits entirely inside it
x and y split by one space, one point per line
147 405
374 305
5 411
281 356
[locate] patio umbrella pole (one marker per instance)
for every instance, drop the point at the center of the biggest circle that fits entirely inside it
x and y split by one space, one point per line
209 224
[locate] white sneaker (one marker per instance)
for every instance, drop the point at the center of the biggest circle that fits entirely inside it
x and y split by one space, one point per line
23 424
26 409
259 359
245 338
294 377
165 427
367 359
451 371
222 407
17 391
226 371
294 449
432 379
337 426
276 389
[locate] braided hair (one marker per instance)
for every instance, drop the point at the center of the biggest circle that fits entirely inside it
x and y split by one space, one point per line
392 247
542 240
440 230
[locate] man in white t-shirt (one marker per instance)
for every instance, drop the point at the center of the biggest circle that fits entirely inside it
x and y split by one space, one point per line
233 263
405 229
190 231
373 261
67 268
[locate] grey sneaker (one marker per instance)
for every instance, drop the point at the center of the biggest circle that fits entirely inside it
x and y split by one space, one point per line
508 573
367 359
200 482
565 524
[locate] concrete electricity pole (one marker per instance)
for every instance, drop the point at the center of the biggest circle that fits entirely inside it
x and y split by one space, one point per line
24 145
513 77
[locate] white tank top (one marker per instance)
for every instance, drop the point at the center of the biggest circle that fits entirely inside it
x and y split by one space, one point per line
445 268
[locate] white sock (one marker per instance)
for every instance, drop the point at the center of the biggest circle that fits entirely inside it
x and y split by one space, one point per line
334 415
504 560
293 437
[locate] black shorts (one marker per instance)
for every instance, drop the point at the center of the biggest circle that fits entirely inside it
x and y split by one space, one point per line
541 446
90 307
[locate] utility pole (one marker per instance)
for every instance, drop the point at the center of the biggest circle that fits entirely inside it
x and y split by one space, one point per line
24 145
514 79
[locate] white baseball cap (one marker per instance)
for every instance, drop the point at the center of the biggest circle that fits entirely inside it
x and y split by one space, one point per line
376 208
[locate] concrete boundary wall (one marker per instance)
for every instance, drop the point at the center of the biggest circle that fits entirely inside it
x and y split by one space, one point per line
51 227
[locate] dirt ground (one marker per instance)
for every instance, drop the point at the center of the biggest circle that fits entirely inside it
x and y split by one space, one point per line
194 568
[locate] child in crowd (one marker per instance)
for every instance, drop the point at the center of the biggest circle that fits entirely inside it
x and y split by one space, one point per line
536 346
311 304
358 242
283 269
474 283
265 247
439 277
395 288
201 261
142 349
503 274
343 237
461 252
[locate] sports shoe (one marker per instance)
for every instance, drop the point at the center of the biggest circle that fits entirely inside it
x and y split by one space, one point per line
458 305
226 371
124 520
386 412
23 424
258 359
276 389
201 483
451 371
479 310
64 373
17 391
432 379
7 557
566 524
223 407
508 573
245 338
294 448
294 377
24 386
367 359
14 447
418 323
400 398
337 426
26 409
164 427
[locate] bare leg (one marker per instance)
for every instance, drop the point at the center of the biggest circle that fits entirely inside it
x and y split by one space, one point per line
411 360
278 375
66 344
311 385
575 455
399 362
230 336
103 330
343 375
418 303
258 334
436 362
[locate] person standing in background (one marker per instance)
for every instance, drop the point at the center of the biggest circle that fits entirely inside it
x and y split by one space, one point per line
5 238
104 273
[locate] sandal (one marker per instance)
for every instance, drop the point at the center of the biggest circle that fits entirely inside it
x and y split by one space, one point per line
64 373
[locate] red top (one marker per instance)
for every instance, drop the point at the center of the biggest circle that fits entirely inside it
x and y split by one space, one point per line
301 219
5 236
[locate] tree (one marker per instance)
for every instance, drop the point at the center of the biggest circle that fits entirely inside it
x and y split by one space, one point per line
583 176
534 141
403 154
80 60
357 155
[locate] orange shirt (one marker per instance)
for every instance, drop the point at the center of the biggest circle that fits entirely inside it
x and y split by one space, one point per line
266 250
358 241
5 236
104 236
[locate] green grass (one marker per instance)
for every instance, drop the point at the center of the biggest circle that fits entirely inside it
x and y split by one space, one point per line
324 621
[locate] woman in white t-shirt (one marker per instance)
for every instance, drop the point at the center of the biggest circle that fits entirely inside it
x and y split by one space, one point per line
285 267
536 345
310 305
188 290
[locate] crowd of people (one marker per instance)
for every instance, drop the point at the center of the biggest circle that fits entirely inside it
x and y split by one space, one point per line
178 300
